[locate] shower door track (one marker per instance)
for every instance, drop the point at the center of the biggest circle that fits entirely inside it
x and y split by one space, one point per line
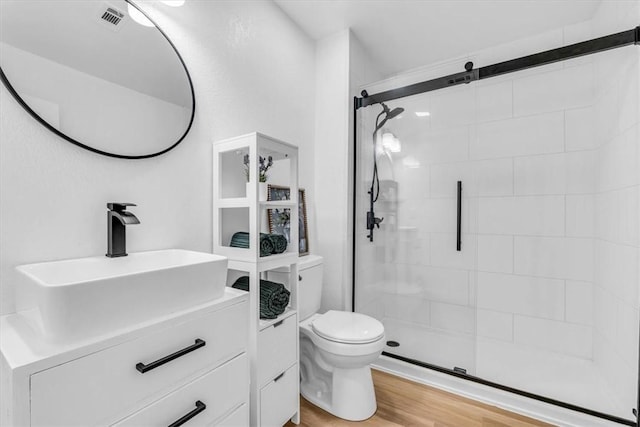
589 47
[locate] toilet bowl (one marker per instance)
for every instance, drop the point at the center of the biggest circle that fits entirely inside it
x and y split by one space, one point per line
336 349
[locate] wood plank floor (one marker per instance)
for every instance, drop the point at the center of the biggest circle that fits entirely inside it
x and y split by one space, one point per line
406 403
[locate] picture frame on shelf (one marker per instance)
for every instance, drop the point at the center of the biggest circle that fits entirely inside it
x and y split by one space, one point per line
279 218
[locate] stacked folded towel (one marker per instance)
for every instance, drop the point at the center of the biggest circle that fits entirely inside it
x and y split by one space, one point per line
269 243
274 297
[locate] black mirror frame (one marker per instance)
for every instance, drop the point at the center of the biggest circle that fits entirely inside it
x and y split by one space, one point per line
44 123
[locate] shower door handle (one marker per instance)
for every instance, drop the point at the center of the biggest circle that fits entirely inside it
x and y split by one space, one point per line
459 219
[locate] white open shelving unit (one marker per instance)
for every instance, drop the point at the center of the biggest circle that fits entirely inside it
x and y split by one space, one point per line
273 344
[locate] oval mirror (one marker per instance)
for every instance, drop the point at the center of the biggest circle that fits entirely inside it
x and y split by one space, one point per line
99 74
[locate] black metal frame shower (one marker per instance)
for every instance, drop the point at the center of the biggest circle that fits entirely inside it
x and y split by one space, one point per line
601 44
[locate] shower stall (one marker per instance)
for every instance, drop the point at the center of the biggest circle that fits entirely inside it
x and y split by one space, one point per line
504 242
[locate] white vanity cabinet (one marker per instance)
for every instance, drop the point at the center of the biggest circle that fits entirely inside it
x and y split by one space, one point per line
190 366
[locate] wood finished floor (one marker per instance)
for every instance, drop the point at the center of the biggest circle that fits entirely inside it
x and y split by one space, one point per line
405 403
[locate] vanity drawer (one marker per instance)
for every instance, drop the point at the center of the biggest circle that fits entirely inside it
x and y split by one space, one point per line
106 386
279 398
277 348
209 397
238 418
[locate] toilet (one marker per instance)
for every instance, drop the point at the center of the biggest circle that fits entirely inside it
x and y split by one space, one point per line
336 349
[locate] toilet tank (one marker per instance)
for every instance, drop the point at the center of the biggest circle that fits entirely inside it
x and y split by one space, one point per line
309 284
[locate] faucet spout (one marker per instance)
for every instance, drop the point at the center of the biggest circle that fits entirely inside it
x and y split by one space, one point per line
126 218
117 220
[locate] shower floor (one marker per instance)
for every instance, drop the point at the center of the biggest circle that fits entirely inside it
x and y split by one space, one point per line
568 379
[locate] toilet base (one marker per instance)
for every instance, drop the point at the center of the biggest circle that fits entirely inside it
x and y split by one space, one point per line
352 396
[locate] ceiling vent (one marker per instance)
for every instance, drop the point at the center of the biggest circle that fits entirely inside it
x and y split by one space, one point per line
111 17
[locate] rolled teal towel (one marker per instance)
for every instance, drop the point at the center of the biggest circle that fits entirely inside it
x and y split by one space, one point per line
279 243
274 297
241 240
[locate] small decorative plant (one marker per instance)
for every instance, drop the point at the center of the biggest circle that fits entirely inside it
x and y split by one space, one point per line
265 165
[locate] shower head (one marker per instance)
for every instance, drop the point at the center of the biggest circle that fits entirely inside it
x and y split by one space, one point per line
389 114
393 113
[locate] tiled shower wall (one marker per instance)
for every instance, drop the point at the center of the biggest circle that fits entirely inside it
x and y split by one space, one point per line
548 158
616 203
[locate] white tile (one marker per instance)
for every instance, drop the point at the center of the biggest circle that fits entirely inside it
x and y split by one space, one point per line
618 162
444 252
580 129
519 137
410 248
495 253
492 178
453 107
560 337
616 216
444 179
413 183
444 145
530 296
554 91
494 102
531 215
580 172
616 270
494 324
606 112
580 219
563 173
434 284
562 258
408 308
579 300
605 314
627 326
451 317
433 215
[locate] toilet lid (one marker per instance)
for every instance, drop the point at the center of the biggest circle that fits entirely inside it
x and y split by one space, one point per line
346 327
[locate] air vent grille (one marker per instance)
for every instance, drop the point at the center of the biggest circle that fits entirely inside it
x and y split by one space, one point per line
112 16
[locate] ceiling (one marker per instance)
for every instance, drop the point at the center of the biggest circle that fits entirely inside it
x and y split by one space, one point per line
404 34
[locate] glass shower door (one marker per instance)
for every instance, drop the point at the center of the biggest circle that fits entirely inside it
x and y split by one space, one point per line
413 276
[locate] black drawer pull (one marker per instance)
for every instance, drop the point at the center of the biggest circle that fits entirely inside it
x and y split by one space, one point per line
199 408
275 325
299 278
278 377
142 368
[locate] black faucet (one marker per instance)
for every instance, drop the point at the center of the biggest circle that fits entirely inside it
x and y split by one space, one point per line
117 219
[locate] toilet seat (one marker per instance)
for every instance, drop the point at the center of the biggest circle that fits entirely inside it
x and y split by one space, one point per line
346 327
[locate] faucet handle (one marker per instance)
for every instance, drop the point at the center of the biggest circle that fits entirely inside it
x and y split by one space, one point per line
119 207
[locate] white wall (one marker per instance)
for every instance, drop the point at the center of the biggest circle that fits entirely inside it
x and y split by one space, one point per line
252 69
342 66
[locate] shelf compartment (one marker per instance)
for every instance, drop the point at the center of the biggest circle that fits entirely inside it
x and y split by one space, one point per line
244 262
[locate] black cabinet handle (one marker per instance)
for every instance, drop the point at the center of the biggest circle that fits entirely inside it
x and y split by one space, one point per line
142 368
278 323
299 278
199 408
459 221
279 376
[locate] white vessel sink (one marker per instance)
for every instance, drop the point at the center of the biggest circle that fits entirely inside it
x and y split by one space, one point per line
81 298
